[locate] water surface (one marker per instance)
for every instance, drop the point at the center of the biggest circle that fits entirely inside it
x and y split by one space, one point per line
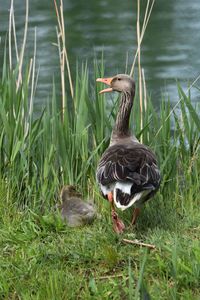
170 50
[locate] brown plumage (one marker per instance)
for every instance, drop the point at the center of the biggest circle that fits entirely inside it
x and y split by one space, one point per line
74 210
127 172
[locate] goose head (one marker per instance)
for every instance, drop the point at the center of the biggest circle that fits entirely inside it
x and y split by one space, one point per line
121 83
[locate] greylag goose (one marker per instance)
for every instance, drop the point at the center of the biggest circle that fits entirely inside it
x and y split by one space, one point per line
74 210
127 173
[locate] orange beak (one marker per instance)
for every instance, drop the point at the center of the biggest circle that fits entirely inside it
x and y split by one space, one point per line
106 81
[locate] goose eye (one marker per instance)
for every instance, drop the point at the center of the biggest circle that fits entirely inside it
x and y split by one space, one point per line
118 78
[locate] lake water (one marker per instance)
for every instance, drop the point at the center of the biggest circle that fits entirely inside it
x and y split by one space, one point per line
170 50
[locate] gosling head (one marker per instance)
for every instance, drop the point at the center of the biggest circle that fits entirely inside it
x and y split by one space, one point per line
69 191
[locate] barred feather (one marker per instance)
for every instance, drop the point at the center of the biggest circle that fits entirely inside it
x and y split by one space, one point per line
130 165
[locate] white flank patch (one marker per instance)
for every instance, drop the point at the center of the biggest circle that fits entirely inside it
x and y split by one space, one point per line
125 187
136 198
106 189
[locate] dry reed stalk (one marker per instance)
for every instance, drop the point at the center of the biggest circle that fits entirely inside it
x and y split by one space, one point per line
62 65
62 61
136 242
148 12
63 54
145 96
65 50
144 89
140 35
62 75
29 70
33 75
19 80
110 276
126 64
14 35
12 28
32 64
139 69
10 35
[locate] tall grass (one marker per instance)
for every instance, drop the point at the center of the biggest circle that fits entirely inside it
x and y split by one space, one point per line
40 154
63 144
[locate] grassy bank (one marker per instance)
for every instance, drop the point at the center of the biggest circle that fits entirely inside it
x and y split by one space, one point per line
42 258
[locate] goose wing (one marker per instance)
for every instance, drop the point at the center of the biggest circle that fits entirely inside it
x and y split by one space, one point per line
132 163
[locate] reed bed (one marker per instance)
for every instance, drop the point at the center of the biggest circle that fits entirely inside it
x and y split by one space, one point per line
40 257
40 154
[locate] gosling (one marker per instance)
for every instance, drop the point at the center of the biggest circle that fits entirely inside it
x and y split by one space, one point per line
74 211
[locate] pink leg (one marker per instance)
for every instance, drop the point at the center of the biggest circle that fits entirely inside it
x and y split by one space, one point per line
118 225
136 213
110 197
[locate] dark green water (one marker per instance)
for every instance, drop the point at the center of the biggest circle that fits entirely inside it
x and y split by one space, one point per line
170 50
